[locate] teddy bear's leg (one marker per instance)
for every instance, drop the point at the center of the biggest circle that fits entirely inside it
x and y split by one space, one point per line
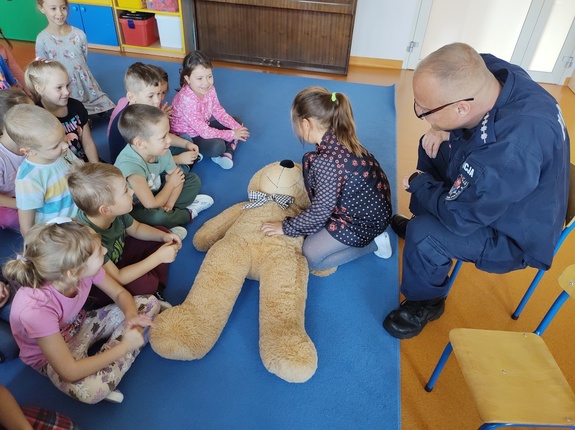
190 330
285 348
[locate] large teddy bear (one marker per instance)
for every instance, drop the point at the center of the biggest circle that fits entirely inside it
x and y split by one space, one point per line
190 330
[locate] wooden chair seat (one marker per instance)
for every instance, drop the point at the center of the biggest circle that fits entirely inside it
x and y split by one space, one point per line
513 377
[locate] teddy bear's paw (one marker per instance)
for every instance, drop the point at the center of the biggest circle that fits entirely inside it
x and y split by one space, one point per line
291 356
323 273
175 336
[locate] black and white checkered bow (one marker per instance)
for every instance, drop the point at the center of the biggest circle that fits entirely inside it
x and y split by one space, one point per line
257 198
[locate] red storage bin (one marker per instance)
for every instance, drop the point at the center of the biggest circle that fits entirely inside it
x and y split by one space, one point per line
163 5
139 28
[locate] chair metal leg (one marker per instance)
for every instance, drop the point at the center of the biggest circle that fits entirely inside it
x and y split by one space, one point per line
453 275
528 294
551 313
439 367
540 273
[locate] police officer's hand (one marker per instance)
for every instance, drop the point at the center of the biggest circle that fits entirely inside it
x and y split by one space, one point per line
432 140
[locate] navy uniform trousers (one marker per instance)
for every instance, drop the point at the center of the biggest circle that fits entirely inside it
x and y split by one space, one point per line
430 247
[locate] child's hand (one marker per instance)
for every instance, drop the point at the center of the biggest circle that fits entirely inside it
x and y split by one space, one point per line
188 157
4 293
167 109
175 178
272 228
168 207
168 252
173 238
133 338
241 133
191 146
138 321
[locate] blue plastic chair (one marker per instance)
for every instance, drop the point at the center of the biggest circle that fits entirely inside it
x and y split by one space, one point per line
513 378
569 226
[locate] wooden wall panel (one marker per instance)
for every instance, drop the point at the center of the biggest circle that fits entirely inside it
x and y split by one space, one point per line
312 38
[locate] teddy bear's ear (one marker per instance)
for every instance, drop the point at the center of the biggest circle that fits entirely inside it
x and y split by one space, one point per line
255 181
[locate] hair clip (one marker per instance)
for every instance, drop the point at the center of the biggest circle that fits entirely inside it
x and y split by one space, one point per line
333 97
21 258
43 60
59 220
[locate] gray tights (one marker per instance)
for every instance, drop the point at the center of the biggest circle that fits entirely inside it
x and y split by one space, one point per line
323 252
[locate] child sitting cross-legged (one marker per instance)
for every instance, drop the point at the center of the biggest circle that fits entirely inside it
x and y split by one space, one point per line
138 254
147 84
60 261
41 189
170 202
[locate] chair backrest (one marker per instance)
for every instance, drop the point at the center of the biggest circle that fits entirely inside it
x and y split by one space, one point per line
567 280
567 283
570 216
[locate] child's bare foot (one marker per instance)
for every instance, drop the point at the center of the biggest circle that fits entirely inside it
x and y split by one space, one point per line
4 293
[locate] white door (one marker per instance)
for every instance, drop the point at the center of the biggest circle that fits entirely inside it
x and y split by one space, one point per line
539 35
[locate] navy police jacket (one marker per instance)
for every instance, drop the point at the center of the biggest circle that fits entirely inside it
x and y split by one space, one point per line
510 173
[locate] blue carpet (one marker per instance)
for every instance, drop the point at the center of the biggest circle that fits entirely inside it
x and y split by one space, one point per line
357 381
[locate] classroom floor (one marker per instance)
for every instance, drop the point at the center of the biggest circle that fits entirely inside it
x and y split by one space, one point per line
478 299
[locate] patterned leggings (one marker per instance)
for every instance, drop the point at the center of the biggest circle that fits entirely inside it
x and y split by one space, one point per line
99 324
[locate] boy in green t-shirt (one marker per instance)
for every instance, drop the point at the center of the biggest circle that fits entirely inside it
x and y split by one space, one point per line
137 254
169 201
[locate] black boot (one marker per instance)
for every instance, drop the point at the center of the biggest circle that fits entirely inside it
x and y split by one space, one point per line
408 321
399 225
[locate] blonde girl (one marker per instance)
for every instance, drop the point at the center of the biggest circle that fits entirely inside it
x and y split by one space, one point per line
349 192
49 84
60 262
62 42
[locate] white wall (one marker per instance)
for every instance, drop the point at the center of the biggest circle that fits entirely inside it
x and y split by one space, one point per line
383 28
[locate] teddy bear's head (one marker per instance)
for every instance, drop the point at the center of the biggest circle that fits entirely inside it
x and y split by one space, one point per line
283 177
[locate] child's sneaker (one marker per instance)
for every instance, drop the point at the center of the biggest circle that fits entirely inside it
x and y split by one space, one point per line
383 245
201 202
179 231
225 161
114 397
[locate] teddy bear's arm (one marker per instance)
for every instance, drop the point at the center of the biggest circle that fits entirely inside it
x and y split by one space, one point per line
214 229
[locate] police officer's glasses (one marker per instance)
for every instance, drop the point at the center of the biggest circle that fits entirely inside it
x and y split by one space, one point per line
437 109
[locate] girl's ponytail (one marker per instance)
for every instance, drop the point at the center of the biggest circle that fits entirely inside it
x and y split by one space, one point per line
332 110
51 252
343 125
21 272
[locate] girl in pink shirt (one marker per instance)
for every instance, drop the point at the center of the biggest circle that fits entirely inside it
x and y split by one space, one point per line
60 262
198 116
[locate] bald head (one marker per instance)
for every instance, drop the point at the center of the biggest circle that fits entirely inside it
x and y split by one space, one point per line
456 70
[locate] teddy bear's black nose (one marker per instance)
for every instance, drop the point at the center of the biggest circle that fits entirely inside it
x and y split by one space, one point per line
287 164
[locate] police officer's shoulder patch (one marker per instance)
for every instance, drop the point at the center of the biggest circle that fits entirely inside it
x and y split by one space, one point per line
460 184
469 172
